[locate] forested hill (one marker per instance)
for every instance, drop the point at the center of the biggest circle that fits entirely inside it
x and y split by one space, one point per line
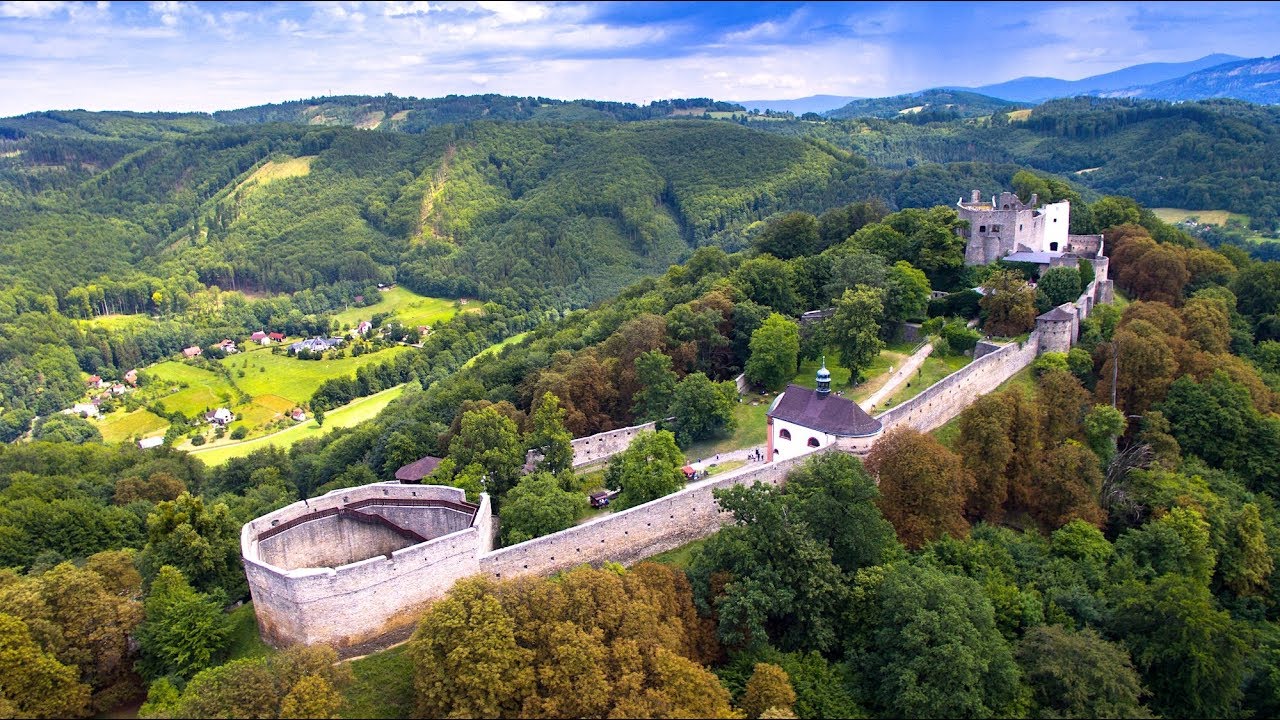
1210 154
567 212
927 106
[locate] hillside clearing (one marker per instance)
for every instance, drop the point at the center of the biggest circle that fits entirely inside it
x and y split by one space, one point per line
273 170
350 414
408 308
1206 217
123 426
266 373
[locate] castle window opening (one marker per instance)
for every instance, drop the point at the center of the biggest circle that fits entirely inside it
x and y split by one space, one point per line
982 228
1019 226
996 228
813 442
785 434
1006 206
1053 246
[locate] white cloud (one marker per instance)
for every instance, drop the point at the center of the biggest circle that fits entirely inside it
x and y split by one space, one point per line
32 9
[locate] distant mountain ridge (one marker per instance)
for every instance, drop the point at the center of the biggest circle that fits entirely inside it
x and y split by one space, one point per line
1039 89
1256 80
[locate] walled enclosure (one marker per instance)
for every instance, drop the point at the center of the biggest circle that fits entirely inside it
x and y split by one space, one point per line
365 600
602 446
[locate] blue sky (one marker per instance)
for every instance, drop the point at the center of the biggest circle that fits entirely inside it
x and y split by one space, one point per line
212 55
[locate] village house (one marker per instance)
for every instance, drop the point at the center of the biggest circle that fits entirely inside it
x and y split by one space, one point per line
298 415
221 416
118 389
131 377
192 351
362 329
276 337
315 344
83 410
147 443
228 346
260 337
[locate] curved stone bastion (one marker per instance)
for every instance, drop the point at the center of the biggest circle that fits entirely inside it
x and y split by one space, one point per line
357 563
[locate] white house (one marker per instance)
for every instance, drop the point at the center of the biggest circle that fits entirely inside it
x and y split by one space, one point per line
221 416
803 420
146 443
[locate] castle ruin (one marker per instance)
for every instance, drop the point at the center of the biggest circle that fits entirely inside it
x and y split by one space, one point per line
1005 228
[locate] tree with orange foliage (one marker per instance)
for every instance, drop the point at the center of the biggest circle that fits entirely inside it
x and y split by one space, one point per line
922 486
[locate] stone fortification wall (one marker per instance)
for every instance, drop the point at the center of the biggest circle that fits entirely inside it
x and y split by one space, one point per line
946 398
360 601
634 534
329 542
602 446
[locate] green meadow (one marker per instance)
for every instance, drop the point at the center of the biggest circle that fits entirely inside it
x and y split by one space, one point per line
266 373
409 308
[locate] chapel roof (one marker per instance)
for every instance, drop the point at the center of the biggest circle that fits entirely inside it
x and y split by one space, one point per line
828 413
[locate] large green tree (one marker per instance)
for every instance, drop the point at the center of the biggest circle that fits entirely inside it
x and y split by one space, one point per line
703 408
549 436
537 506
184 631
927 645
855 329
648 469
1079 675
775 348
490 440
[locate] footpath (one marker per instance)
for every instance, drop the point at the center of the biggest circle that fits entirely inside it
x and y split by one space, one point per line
895 381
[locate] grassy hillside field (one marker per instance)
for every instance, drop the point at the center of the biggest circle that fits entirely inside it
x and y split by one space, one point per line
345 416
407 307
266 373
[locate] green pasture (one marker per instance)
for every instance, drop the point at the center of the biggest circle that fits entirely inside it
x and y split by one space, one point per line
408 307
122 426
205 389
752 429
116 321
354 412
496 347
295 379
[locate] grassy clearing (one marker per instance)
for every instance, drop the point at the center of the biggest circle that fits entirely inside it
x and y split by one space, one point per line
1018 115
383 686
294 379
122 426
496 347
116 322
245 640
354 412
274 170
752 429
409 308
876 375
950 432
1207 217
680 557
933 369
204 389
724 467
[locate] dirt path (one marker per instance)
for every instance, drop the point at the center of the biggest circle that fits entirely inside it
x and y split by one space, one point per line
895 381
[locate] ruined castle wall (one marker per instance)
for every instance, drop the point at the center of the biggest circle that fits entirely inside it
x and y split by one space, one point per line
429 522
329 542
946 398
602 446
636 533
355 602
